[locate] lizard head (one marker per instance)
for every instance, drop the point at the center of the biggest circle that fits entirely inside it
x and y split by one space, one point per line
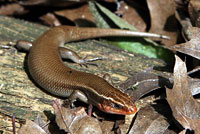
115 108
120 103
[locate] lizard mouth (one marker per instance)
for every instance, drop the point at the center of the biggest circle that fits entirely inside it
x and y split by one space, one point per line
123 111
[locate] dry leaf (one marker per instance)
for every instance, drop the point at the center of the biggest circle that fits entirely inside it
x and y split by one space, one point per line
190 123
193 10
50 20
31 128
180 98
163 19
41 123
75 120
191 47
148 121
144 82
61 3
77 15
130 14
12 9
107 126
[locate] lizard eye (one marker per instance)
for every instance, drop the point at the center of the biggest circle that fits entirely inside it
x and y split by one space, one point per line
117 106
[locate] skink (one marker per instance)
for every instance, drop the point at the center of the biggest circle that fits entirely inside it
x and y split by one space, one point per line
48 70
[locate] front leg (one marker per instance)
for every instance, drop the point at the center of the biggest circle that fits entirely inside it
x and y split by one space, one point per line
76 95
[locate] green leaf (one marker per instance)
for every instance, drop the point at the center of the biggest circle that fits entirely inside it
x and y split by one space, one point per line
100 20
141 46
117 20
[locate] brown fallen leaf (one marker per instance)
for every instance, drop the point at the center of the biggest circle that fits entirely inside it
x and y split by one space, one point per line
61 3
129 12
77 15
163 19
190 123
81 12
12 9
185 108
185 22
36 127
181 3
115 124
149 121
169 132
193 10
144 82
50 20
42 124
31 128
107 127
191 47
75 121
